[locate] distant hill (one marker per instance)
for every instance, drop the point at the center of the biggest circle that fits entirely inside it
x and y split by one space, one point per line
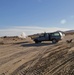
69 32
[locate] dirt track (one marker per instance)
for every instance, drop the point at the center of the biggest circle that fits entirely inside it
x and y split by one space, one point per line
37 59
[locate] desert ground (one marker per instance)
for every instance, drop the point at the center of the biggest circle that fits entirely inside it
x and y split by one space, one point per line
24 57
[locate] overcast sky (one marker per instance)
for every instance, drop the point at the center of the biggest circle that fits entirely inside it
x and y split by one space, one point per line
33 16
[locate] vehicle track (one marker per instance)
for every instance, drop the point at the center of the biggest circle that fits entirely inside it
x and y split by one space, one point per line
17 55
44 60
36 69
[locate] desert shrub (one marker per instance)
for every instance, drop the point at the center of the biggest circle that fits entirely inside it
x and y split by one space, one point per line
5 36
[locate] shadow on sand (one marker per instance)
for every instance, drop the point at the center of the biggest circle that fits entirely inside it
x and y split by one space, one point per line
20 43
33 44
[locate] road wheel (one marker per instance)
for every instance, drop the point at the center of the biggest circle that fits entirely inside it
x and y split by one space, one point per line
54 41
36 41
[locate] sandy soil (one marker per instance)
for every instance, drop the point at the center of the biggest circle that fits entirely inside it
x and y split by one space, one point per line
23 57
